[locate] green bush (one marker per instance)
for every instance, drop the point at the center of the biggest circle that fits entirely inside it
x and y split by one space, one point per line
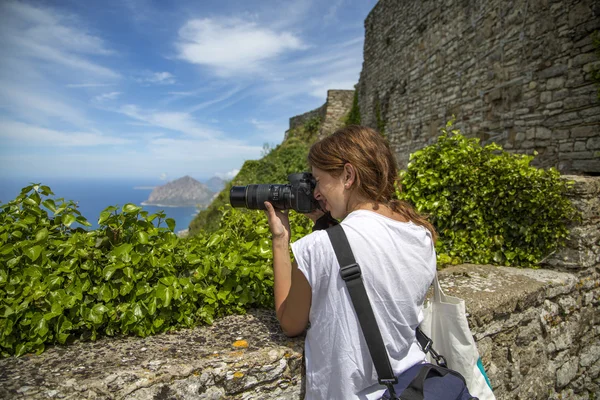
129 276
312 125
488 206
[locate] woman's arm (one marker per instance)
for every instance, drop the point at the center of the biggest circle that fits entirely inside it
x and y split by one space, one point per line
292 291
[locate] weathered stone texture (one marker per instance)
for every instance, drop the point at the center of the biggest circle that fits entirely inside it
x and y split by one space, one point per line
339 103
239 357
538 331
582 249
332 113
502 68
301 119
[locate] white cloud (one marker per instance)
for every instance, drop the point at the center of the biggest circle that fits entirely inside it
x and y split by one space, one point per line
272 131
231 46
215 100
40 107
88 85
160 78
176 121
332 67
34 33
106 96
201 151
31 135
228 175
163 176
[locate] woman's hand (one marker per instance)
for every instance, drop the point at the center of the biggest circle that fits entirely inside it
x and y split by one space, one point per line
315 215
279 222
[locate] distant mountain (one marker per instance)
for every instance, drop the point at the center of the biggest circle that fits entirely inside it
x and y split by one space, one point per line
215 184
182 192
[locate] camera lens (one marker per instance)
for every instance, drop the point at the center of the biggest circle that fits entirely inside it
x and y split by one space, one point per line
256 195
237 196
253 197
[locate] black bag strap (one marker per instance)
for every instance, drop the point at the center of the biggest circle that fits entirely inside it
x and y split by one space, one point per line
351 274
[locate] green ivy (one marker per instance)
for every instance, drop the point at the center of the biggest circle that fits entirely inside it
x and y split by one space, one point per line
353 117
488 206
130 276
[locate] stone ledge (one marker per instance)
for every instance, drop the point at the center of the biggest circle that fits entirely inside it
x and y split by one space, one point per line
237 353
247 356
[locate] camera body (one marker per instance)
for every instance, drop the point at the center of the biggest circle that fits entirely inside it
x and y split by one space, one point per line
296 195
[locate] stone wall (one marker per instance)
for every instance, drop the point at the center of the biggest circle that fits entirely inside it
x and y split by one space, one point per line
332 113
538 332
339 103
582 250
518 73
301 119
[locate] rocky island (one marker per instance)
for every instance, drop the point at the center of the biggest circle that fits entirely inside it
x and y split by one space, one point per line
182 192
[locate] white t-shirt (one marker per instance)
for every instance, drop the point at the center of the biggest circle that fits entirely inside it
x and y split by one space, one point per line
397 260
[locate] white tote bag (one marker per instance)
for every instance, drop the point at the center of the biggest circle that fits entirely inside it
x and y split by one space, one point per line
446 324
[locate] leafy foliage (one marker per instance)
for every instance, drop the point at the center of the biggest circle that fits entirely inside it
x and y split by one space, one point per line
488 206
130 276
312 125
354 114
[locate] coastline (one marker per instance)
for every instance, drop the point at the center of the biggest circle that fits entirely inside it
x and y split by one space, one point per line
143 203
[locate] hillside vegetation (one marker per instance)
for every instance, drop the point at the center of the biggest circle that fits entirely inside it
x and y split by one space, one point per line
287 158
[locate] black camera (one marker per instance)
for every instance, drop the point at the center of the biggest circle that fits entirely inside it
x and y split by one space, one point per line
296 195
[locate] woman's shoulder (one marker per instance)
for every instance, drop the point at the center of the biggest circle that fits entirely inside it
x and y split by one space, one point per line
316 238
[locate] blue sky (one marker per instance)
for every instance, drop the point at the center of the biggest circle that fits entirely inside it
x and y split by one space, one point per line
148 89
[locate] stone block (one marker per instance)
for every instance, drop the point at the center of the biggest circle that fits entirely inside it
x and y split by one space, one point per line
579 145
554 105
555 83
542 133
546 97
591 111
576 102
593 66
585 131
575 81
567 372
560 94
593 143
530 134
583 59
578 155
553 71
520 136
563 147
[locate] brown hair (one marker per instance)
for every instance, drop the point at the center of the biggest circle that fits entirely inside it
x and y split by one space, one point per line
375 165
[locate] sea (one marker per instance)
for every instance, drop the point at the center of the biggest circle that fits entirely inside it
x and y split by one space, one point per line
94 195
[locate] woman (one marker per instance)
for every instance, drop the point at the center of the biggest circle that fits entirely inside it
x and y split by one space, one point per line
355 172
